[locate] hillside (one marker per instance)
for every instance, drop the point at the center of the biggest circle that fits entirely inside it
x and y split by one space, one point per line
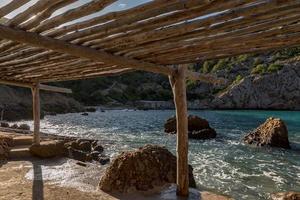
128 88
261 81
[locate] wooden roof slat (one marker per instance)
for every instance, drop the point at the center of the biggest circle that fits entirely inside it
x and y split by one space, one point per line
231 28
76 13
79 51
229 32
148 37
244 39
44 14
136 11
30 12
287 41
13 5
131 18
180 29
95 74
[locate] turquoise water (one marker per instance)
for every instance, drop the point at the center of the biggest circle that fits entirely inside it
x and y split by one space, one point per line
223 165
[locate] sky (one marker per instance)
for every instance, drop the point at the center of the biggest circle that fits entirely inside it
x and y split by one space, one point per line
119 5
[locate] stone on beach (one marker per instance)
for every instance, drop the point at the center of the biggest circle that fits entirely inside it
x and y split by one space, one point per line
5 143
48 149
198 128
143 169
4 124
273 132
286 196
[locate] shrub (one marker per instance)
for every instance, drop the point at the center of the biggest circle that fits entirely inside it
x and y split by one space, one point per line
274 68
222 64
259 69
242 58
207 66
238 78
257 61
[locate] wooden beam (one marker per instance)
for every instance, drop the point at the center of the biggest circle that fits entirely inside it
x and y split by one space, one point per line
178 83
37 40
16 83
55 89
41 86
36 113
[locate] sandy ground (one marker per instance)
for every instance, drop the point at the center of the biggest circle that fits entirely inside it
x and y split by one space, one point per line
63 179
15 186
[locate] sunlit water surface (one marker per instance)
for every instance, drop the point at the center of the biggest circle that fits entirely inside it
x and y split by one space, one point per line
223 165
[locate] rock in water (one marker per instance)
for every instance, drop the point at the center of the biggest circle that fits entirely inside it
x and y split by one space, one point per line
198 128
286 196
273 133
14 126
85 146
143 169
25 127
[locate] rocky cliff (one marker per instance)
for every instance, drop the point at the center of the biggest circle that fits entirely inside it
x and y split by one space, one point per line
280 90
16 103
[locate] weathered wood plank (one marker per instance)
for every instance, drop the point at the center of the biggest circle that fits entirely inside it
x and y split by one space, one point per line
79 51
178 84
36 113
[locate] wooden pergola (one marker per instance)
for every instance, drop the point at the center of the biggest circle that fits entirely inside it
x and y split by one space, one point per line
162 36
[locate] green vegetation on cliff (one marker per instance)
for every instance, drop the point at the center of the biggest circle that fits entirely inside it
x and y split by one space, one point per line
147 86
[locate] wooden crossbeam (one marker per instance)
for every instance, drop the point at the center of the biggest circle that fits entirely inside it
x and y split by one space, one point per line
79 51
41 86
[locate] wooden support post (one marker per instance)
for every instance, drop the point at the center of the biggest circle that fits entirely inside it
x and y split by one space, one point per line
36 113
178 83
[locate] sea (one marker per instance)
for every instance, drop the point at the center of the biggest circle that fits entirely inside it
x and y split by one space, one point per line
224 165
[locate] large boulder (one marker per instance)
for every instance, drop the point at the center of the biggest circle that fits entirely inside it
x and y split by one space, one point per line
286 196
143 169
198 128
272 132
48 149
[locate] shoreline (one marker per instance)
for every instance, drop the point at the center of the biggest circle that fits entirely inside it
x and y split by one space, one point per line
65 178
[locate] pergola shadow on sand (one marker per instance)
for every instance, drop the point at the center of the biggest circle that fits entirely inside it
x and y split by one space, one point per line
162 36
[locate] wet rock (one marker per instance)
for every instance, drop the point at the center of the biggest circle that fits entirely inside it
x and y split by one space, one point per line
95 155
48 149
81 164
85 114
103 160
25 127
94 143
98 148
286 196
142 169
198 128
4 124
79 155
273 132
71 144
14 126
85 146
